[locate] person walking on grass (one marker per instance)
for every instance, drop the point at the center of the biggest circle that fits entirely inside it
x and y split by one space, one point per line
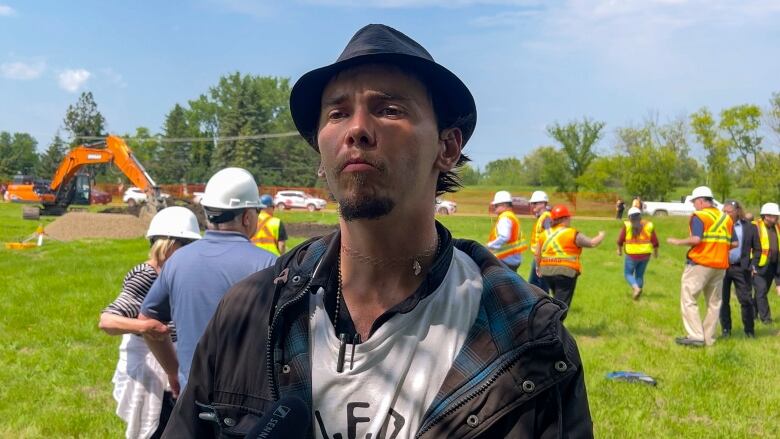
765 266
140 383
271 234
558 254
640 241
710 239
194 280
538 202
506 239
376 326
620 207
738 273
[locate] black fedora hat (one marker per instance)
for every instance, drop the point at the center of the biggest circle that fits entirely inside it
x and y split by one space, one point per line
377 43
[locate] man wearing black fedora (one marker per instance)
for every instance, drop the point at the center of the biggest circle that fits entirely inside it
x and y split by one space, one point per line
389 327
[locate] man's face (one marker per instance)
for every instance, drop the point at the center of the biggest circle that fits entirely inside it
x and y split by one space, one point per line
731 211
538 208
378 140
698 203
770 220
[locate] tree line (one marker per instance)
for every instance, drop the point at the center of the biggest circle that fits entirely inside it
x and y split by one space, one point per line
239 107
740 146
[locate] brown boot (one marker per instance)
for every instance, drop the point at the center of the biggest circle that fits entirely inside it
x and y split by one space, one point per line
637 292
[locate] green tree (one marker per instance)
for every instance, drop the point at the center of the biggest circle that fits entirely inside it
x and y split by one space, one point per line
503 172
718 149
17 154
577 140
84 120
469 175
176 156
740 125
50 159
602 173
646 167
773 116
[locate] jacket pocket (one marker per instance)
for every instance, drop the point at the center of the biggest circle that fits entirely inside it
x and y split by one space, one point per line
227 421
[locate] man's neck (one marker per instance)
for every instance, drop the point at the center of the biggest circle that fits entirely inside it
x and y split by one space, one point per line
379 263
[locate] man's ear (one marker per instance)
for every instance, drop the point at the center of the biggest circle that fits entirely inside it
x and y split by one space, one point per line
450 144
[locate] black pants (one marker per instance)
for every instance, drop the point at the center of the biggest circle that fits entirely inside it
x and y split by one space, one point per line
561 287
743 288
762 282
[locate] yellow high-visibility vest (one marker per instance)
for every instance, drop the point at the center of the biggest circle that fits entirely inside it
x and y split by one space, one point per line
267 236
538 229
763 237
640 244
713 250
516 243
559 248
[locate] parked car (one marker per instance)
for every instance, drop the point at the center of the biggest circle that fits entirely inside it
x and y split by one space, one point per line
663 208
96 196
298 200
520 206
446 207
134 196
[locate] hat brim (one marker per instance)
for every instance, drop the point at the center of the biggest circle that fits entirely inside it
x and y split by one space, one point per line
453 97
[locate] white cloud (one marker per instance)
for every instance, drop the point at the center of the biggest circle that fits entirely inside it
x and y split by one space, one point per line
6 11
21 70
398 4
506 18
72 79
113 77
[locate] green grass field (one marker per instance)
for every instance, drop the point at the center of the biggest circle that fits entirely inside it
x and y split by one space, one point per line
56 366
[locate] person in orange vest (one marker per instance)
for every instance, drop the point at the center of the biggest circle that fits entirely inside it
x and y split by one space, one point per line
506 240
539 201
639 238
765 265
710 239
558 254
271 235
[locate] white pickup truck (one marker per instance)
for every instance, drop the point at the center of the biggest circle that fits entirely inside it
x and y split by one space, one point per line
662 208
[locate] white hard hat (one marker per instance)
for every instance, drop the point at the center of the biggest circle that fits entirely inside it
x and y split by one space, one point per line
701 192
174 222
770 209
502 197
539 197
231 188
634 211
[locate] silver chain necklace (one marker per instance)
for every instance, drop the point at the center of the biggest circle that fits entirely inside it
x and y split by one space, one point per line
416 267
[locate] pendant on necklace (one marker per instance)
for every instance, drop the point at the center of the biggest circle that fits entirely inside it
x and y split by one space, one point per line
416 267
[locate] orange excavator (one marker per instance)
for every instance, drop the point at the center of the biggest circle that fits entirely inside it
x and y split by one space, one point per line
70 185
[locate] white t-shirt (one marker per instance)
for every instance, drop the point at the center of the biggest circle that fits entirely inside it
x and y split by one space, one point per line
398 371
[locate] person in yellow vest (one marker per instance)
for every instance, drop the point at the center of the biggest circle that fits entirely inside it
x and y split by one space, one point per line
506 240
764 265
639 238
271 235
539 201
558 254
710 239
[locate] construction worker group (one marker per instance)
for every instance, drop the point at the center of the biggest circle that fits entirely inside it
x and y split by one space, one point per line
725 249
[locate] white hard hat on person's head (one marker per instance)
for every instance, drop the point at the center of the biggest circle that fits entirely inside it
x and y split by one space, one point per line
539 197
174 222
770 209
230 189
501 197
634 211
701 192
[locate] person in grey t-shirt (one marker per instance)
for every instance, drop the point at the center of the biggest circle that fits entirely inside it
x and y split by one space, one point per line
194 279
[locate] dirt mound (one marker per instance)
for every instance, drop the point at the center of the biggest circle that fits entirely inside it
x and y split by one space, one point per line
80 225
309 230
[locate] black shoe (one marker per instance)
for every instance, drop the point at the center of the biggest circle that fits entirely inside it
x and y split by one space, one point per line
766 321
726 333
750 334
685 341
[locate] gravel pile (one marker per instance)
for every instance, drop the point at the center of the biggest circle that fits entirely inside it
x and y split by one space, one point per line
80 225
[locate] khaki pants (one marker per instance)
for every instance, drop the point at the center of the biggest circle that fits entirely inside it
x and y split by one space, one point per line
698 279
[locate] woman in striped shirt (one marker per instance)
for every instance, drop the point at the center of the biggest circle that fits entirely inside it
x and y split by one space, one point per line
139 380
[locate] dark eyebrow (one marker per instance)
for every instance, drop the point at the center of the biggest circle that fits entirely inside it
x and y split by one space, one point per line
381 95
335 100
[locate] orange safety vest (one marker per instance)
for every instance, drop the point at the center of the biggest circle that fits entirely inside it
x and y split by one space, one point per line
713 250
559 248
640 244
538 229
267 235
516 243
763 237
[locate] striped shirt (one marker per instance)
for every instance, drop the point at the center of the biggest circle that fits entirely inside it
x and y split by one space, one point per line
135 286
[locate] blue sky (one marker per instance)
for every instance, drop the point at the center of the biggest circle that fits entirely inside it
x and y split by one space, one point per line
529 63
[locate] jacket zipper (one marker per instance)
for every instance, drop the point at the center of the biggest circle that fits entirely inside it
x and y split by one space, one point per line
269 356
501 370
